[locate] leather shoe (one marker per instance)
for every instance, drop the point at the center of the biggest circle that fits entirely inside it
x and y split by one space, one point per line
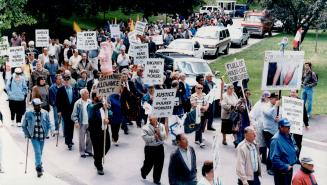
100 172
212 129
83 156
157 182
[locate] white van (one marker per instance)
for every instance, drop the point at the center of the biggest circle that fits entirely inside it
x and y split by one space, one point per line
214 39
210 9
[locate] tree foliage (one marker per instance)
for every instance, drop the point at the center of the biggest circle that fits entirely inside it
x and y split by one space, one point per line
12 14
296 13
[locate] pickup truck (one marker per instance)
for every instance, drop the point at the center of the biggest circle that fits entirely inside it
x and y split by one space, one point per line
258 23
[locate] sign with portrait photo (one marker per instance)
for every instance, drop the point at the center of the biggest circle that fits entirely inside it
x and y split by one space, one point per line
282 70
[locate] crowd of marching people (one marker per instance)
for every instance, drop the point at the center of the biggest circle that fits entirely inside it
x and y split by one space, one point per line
61 80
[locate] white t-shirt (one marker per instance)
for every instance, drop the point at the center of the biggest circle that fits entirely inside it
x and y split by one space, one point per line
85 116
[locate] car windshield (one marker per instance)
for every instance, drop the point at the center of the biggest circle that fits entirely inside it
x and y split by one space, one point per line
181 45
235 32
253 18
193 68
205 33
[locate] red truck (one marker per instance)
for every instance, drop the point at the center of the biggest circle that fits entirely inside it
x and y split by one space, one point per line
258 23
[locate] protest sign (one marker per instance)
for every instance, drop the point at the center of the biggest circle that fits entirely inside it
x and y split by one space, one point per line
163 102
154 71
4 45
140 53
86 40
282 70
115 31
132 37
236 70
108 85
140 27
157 39
16 56
216 159
42 38
292 110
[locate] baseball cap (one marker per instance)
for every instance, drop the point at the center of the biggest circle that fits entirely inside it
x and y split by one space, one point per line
284 123
36 101
307 160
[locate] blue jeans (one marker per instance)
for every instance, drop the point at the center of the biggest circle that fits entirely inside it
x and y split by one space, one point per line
307 95
38 149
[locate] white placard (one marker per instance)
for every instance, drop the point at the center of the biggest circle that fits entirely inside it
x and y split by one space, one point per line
108 85
154 71
292 110
236 70
163 102
42 38
4 46
115 31
140 27
16 56
214 94
140 53
282 70
132 37
87 40
157 39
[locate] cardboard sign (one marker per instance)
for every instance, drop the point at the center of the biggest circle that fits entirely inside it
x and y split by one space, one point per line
87 40
132 37
157 39
292 110
214 94
236 70
115 31
4 46
108 85
163 102
16 56
42 38
154 71
282 70
140 53
140 27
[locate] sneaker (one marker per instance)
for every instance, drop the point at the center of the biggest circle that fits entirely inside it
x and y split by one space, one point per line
197 142
202 145
39 171
100 172
19 124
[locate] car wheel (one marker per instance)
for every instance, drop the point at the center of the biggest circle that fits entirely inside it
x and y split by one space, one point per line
270 33
217 52
241 43
246 42
226 51
263 35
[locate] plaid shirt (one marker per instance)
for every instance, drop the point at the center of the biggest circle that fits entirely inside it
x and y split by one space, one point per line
38 129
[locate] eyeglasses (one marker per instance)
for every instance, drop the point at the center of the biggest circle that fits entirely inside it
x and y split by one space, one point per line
199 88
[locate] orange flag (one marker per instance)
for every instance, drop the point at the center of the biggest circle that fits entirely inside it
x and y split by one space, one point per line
76 27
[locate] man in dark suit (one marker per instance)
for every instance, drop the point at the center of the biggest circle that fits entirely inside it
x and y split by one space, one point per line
66 97
182 165
140 92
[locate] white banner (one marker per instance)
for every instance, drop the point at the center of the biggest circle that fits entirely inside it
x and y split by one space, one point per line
42 38
140 53
4 46
115 31
108 85
292 110
154 71
163 102
236 71
87 40
157 39
16 56
140 27
282 70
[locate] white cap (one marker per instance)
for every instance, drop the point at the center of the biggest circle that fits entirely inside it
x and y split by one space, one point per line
36 101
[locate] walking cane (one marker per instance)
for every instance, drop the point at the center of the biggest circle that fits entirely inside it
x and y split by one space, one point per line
59 117
26 155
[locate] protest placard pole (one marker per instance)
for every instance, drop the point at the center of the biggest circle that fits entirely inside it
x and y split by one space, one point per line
246 103
59 122
26 154
279 97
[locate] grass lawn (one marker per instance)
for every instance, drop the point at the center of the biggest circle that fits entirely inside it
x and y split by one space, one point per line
254 58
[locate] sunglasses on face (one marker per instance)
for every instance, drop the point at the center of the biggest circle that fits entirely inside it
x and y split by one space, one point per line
199 88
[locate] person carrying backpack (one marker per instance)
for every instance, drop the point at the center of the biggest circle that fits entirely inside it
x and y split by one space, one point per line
17 90
309 81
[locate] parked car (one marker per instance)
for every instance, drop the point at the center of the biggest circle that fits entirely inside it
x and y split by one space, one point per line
240 10
239 36
190 66
184 46
258 23
214 39
210 9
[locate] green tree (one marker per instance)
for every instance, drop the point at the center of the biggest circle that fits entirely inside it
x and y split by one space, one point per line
296 13
12 14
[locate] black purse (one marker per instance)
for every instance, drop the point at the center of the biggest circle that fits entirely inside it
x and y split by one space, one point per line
234 118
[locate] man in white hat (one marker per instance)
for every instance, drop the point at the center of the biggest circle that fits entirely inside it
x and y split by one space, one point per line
36 126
